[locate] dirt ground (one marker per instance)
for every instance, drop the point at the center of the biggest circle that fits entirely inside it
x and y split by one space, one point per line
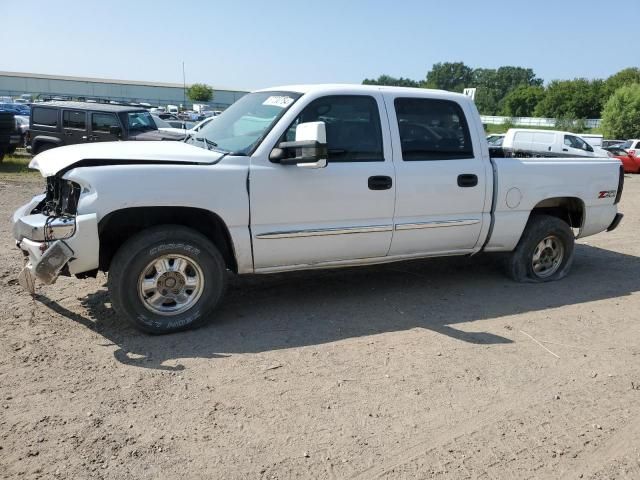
429 369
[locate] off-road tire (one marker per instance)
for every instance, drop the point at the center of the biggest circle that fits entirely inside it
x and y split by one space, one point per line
519 263
135 255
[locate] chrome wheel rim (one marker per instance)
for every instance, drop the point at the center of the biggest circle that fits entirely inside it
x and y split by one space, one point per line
170 284
547 256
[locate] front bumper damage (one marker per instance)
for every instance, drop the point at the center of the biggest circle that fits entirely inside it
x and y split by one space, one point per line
54 244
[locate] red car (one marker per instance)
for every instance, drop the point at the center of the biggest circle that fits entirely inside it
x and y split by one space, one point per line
631 162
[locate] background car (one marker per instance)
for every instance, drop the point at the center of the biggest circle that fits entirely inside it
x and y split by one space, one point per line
22 125
630 161
632 146
15 108
53 124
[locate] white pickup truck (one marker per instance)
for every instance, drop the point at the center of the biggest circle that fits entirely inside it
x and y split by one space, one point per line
303 177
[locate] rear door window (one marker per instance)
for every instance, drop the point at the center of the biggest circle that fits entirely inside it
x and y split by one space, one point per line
432 129
74 120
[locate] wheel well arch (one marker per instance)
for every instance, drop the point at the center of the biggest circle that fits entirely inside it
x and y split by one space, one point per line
39 140
120 225
569 209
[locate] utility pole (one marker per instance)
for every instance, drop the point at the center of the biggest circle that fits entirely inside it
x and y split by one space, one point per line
184 88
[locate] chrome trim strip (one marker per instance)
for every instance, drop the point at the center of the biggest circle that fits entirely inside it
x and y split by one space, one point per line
437 224
324 231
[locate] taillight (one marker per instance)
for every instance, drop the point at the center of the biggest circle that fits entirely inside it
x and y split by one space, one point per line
620 185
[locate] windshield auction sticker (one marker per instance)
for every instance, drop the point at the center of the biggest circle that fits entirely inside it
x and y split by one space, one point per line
281 101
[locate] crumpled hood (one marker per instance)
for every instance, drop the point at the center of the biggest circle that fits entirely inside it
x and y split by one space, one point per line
158 135
52 161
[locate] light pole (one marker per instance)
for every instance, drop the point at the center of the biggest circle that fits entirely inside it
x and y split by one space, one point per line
184 88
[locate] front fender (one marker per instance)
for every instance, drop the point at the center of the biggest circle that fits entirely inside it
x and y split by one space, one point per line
220 189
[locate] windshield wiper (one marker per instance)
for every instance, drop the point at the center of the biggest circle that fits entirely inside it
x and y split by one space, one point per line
207 142
211 145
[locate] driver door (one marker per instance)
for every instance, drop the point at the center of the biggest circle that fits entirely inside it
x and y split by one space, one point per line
344 211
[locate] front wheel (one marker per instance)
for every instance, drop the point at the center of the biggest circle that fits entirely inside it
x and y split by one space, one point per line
544 252
166 279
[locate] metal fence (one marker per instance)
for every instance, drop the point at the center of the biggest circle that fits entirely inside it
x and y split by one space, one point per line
532 121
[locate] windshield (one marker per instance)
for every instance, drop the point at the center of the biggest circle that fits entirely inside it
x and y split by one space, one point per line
140 121
161 123
241 127
626 144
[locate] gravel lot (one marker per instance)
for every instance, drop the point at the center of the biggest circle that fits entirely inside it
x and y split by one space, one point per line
426 369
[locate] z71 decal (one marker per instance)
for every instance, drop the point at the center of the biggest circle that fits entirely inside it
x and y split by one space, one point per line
607 194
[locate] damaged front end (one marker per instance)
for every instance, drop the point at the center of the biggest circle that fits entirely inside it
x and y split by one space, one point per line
47 230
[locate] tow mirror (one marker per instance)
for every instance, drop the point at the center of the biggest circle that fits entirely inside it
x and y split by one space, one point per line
309 150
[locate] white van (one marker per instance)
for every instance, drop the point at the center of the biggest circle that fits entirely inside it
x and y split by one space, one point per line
524 142
173 109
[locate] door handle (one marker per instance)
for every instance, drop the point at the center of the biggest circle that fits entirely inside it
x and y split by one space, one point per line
380 182
565 149
467 180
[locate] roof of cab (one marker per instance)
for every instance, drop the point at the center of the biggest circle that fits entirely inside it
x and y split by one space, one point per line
328 87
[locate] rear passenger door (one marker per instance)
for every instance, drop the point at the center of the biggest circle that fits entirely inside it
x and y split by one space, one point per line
74 126
101 124
441 194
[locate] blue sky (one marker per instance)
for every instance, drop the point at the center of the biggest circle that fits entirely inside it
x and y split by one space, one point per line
252 44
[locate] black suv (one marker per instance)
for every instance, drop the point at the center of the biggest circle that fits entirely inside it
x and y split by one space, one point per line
54 124
9 134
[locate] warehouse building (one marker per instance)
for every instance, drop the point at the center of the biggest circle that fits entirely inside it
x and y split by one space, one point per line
14 84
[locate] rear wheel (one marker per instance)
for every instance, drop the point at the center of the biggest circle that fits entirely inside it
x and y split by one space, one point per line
545 251
166 279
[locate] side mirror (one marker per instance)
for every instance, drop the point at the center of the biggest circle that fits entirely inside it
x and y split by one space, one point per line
115 130
309 150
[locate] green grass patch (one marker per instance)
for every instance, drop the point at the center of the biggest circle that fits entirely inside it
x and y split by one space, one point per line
17 166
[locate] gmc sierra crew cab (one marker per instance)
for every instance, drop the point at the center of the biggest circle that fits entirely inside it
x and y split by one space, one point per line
301 177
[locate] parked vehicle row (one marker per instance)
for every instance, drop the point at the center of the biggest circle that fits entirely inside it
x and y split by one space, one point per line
302 177
523 143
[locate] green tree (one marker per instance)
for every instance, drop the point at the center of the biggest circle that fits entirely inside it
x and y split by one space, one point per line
200 92
494 85
621 114
391 81
579 98
452 76
625 77
522 101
